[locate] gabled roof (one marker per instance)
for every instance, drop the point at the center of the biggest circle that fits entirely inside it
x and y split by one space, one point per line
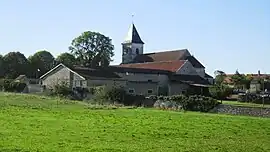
85 72
58 67
162 56
195 63
133 36
171 66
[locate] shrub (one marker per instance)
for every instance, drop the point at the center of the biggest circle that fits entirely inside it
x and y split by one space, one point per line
220 92
112 94
61 89
254 98
191 103
9 85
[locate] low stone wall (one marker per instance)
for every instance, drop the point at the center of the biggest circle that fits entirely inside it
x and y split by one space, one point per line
240 110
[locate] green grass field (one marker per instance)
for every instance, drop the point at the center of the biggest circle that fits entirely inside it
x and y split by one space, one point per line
32 123
245 104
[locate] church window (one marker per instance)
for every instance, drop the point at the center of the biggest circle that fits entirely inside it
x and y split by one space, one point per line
149 91
131 91
137 51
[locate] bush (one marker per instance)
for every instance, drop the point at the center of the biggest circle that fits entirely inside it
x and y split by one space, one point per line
254 98
114 95
220 92
61 89
191 103
9 85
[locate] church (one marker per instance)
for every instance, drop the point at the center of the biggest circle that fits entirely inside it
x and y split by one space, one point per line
159 73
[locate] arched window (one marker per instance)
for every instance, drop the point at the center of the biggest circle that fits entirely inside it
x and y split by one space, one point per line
137 51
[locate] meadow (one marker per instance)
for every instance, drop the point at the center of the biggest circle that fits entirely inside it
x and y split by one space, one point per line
36 123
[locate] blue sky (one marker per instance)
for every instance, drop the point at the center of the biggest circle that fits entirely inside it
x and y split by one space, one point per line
222 34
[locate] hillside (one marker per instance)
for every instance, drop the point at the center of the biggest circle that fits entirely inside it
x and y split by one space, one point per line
33 123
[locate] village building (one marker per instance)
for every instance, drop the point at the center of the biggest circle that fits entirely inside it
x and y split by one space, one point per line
168 73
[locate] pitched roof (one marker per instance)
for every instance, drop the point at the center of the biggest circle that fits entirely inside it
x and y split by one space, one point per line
190 79
162 56
195 63
119 69
133 36
94 73
208 76
171 66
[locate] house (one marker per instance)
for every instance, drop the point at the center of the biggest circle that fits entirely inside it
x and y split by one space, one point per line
168 72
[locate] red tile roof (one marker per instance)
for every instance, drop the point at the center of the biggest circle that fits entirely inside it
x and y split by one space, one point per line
171 66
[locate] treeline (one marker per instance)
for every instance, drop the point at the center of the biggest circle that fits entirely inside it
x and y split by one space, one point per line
89 49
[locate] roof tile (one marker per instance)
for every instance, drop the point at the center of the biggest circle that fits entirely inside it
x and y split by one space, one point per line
171 66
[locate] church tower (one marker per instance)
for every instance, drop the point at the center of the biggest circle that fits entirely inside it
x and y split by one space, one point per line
132 45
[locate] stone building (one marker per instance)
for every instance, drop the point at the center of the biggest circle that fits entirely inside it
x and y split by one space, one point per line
169 72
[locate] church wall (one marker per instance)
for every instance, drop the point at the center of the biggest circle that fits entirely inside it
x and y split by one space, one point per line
200 72
187 69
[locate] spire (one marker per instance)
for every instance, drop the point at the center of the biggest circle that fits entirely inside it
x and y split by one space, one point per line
133 35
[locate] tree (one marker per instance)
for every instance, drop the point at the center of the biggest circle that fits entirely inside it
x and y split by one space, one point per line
92 49
67 59
219 86
15 64
1 66
238 79
41 62
219 77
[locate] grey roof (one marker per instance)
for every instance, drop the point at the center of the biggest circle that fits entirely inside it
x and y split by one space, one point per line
133 36
195 63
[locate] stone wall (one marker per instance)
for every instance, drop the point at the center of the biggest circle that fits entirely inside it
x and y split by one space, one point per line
240 110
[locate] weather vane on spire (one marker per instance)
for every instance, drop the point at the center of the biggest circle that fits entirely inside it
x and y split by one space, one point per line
132 17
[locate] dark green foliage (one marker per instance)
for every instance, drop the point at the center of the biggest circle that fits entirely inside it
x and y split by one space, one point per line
220 92
92 48
40 63
114 94
192 103
67 59
15 64
9 85
253 98
61 89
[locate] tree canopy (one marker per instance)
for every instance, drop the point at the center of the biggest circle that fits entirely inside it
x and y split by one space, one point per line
15 64
41 61
92 49
67 59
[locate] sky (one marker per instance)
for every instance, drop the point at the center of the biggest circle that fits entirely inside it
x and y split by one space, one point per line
225 35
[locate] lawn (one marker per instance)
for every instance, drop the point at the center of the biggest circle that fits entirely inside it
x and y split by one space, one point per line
32 123
245 104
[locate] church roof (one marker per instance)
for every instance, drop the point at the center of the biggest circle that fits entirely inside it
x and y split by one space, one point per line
195 63
162 56
171 66
133 36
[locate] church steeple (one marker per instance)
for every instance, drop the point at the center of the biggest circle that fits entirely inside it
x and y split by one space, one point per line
132 45
133 36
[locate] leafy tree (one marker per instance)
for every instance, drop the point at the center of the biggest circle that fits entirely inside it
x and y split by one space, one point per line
238 79
219 77
67 59
92 49
15 64
220 92
41 62
1 66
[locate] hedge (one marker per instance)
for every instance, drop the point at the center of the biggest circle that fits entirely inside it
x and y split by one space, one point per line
190 103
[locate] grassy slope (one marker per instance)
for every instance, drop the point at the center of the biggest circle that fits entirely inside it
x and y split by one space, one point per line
48 127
